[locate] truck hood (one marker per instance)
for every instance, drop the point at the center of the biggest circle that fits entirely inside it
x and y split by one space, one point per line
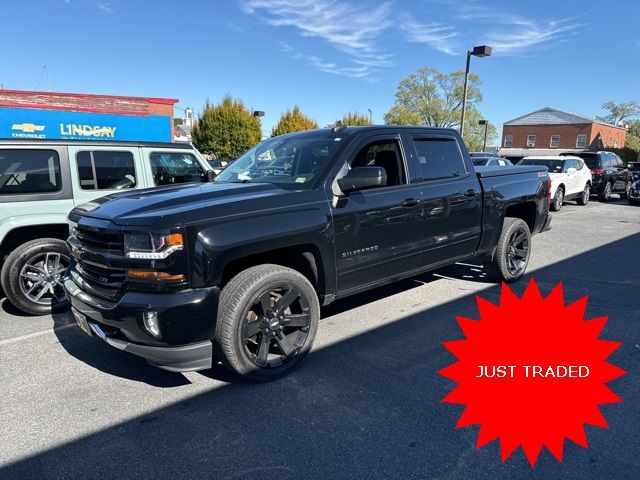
181 204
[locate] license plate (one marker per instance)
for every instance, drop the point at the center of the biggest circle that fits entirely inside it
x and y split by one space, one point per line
81 320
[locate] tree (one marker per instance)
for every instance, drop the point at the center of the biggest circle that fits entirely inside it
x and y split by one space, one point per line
633 135
293 120
431 98
355 118
620 112
226 130
177 121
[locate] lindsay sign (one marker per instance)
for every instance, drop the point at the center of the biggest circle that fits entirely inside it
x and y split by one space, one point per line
52 124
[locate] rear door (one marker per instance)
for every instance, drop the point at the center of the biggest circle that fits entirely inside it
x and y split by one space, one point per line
99 170
450 194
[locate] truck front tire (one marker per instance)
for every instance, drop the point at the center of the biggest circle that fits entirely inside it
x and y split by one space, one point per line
267 320
31 276
512 253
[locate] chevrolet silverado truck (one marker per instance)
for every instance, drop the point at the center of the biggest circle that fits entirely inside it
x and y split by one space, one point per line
236 270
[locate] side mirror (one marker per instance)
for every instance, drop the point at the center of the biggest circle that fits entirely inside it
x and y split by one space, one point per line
571 170
360 178
211 175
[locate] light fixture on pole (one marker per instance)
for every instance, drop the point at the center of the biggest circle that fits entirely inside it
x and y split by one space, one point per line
258 113
486 125
480 51
370 116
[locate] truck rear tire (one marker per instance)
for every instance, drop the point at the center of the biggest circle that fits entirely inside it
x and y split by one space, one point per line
31 276
512 253
267 320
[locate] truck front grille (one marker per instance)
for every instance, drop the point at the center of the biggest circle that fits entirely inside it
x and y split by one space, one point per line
99 239
103 282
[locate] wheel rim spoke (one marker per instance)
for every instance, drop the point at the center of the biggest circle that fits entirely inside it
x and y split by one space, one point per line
44 290
263 351
296 320
265 302
519 239
284 344
520 252
286 300
251 329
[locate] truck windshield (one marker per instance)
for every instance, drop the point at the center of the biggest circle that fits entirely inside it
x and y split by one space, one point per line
296 160
554 166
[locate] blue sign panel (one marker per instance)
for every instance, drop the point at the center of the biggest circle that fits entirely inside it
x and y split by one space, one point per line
55 124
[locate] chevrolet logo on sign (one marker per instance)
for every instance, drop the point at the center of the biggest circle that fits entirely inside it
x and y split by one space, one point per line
27 127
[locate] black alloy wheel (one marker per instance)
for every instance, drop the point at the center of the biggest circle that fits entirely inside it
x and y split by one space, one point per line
518 251
267 319
276 326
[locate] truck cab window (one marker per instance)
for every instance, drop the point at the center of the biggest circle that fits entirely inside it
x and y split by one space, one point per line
438 158
385 154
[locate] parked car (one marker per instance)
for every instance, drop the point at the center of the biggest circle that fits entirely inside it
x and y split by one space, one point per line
570 178
483 154
609 173
634 168
41 181
634 193
169 277
493 161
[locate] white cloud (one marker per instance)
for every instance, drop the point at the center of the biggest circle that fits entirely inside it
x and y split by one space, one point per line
353 30
106 8
436 35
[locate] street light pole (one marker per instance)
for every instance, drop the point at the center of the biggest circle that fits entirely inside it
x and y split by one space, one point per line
486 125
370 116
480 51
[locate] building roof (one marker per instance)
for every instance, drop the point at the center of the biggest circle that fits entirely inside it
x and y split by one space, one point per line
551 116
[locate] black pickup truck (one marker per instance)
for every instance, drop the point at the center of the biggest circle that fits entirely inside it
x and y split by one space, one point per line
236 270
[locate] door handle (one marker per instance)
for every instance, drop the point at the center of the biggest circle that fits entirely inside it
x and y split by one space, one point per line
470 193
410 202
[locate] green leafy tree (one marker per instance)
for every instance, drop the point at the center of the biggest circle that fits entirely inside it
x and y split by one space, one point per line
633 135
177 121
355 118
293 120
226 130
620 112
431 98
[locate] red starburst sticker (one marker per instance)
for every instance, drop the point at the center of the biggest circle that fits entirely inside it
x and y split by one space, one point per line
531 372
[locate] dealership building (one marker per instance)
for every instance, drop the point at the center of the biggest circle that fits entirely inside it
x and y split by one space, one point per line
81 116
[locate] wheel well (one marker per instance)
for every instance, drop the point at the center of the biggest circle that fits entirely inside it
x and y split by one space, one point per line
525 211
303 258
20 235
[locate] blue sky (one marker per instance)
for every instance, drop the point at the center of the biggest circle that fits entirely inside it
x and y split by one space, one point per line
327 56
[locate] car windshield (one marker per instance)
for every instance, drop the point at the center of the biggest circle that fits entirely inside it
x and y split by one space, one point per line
634 166
295 160
554 166
590 159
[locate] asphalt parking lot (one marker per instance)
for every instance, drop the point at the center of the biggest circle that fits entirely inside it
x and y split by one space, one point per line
364 404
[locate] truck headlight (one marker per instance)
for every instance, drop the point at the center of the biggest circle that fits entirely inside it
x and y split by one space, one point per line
152 246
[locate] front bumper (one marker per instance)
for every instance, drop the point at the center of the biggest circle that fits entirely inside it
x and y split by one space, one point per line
186 319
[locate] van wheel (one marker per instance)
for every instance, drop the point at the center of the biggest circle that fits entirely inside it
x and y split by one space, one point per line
267 320
584 198
31 276
512 253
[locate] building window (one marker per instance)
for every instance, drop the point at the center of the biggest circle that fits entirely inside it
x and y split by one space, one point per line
555 141
531 141
581 141
615 143
508 141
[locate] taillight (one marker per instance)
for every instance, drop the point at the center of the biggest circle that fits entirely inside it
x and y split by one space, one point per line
597 171
547 183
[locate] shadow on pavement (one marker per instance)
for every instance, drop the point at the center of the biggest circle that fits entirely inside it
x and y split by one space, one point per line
366 407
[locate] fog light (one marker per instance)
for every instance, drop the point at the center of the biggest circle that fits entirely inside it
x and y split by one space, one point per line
150 319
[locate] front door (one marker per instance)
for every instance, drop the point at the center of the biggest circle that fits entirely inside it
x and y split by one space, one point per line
377 231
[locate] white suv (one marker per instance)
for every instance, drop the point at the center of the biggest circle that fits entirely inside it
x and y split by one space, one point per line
570 178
